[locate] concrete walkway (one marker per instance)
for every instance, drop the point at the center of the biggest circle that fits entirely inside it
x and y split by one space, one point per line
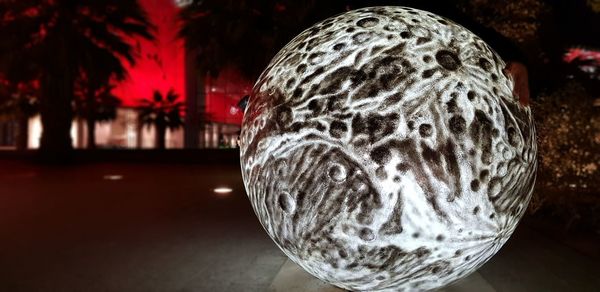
124 227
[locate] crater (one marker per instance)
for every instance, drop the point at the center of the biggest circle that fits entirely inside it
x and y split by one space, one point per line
448 60
337 173
368 22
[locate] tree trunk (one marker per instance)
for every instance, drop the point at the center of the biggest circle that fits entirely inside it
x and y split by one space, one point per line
57 115
161 133
195 100
56 88
140 132
91 118
91 133
23 132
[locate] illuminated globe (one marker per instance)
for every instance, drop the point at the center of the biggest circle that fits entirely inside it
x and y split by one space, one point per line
383 149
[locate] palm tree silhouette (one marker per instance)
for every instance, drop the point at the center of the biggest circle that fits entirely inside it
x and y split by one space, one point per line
99 69
19 93
244 33
58 36
19 101
162 112
95 104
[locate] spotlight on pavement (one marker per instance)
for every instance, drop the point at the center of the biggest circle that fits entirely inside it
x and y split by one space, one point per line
113 177
222 190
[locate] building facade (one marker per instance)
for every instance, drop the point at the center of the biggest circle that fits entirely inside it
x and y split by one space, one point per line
212 119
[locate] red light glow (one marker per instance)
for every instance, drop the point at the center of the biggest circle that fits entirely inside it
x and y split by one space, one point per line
223 93
160 65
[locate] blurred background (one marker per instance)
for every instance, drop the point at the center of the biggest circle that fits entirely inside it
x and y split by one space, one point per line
112 111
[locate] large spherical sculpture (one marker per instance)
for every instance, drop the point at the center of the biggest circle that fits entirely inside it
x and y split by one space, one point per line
383 149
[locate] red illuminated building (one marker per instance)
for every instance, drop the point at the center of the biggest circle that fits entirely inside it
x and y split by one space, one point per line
212 120
164 64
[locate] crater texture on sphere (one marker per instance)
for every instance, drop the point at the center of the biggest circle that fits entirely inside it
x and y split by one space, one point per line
383 149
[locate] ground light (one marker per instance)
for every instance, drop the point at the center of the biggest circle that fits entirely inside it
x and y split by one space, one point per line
222 190
113 177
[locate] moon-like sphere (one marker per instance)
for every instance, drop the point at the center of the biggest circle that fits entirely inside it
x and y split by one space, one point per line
383 149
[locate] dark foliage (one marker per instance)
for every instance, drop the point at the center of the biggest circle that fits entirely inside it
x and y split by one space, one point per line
247 33
163 112
59 39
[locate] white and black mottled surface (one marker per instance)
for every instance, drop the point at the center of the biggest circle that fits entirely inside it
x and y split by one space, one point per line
383 149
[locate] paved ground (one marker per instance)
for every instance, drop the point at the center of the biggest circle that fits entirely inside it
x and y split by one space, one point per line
161 228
